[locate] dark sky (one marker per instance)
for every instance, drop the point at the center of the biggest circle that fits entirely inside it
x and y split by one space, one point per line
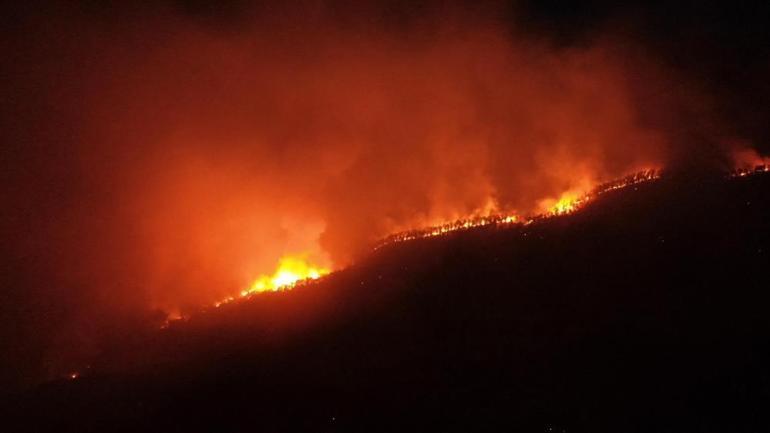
116 202
723 46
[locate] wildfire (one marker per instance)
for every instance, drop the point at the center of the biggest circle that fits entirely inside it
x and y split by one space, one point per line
171 317
567 203
743 172
291 271
449 227
747 161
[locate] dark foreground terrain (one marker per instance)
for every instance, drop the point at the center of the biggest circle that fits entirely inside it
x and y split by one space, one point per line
646 311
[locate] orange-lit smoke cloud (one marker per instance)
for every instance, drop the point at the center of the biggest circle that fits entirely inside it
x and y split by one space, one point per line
273 141
220 151
196 156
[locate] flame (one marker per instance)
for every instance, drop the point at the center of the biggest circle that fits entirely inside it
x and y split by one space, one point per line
568 202
291 271
747 161
171 317
449 227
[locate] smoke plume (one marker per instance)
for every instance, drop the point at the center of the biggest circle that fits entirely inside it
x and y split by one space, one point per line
162 158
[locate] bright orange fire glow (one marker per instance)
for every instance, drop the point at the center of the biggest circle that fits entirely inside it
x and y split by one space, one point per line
292 270
747 161
295 269
444 228
567 203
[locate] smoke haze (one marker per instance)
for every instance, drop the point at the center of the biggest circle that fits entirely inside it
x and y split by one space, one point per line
161 158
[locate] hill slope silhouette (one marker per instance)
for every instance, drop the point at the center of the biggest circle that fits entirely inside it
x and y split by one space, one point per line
645 311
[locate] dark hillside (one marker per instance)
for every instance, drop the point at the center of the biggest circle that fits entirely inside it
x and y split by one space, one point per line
645 311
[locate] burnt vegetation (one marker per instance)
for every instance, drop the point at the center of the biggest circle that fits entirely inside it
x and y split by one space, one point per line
647 310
